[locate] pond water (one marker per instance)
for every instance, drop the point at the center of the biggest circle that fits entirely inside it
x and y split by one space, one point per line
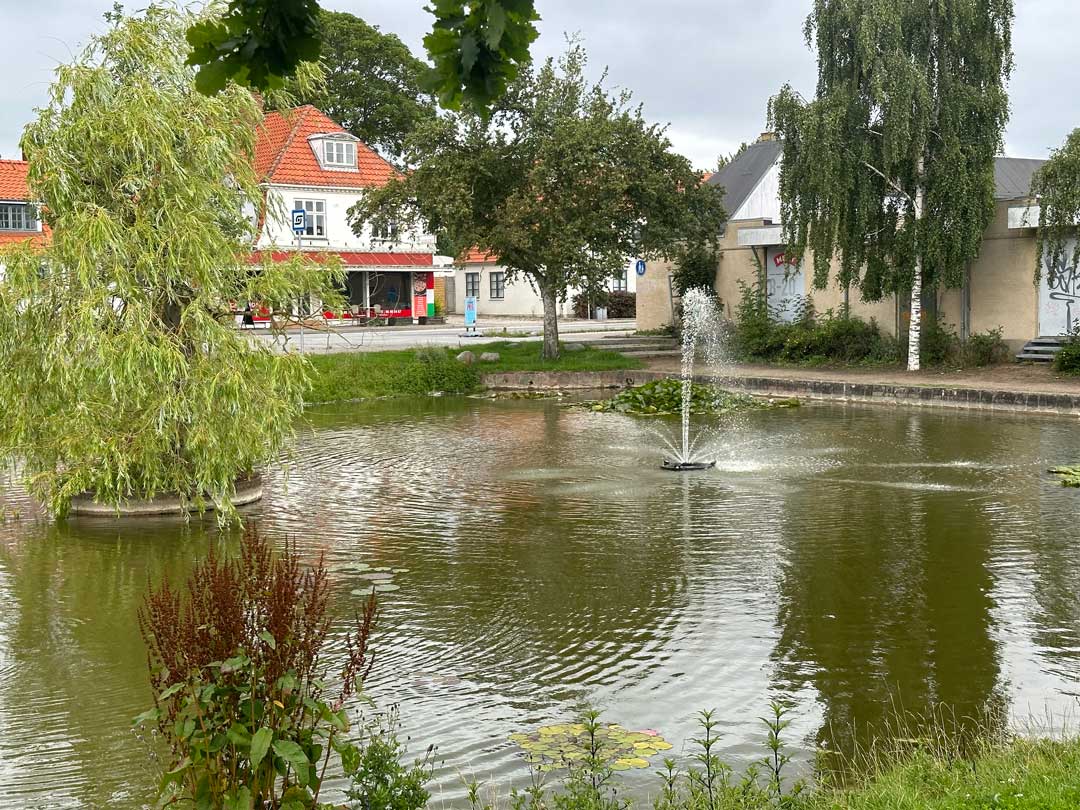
842 559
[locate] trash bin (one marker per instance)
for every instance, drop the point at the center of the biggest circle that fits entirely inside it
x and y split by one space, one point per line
601 313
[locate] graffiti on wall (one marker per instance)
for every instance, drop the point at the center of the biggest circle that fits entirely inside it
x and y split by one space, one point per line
784 284
1059 295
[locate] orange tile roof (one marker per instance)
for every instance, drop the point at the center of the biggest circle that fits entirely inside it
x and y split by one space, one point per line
283 154
350 258
476 256
13 180
13 186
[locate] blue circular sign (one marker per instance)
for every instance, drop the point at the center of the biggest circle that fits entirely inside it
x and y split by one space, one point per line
640 267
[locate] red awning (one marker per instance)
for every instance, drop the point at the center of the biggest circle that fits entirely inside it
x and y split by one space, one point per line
353 258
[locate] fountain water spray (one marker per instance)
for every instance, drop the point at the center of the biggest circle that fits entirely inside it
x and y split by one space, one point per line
701 321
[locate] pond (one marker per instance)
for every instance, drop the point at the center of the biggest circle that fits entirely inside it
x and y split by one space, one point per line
845 560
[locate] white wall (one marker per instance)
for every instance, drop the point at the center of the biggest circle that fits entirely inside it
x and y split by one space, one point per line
520 300
277 230
764 200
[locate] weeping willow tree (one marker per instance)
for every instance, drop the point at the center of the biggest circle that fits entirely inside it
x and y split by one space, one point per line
124 376
1057 187
890 168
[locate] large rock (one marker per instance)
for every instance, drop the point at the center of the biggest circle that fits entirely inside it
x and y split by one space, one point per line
573 347
466 357
490 357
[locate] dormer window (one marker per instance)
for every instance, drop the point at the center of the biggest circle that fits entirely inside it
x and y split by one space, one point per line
339 154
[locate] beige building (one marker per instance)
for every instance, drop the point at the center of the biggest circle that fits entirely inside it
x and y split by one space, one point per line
999 288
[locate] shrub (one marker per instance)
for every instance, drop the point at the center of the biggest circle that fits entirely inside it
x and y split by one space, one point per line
695 268
240 688
380 780
938 343
984 348
622 304
1067 360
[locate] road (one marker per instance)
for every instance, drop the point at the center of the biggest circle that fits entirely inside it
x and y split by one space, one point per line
383 338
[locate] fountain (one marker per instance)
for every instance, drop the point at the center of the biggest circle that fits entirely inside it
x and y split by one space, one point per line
701 320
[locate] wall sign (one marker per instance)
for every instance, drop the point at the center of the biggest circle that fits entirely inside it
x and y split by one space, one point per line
640 267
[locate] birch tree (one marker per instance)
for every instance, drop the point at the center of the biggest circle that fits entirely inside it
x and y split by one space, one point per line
123 374
890 167
563 184
1057 187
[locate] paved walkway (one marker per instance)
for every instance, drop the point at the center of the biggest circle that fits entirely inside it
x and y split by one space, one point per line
383 338
1016 377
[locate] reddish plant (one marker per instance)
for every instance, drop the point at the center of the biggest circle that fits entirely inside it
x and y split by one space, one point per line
239 686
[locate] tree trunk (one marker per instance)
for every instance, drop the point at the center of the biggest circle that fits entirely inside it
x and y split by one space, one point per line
551 322
915 324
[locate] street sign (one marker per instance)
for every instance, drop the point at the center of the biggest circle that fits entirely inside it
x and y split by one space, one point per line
299 221
470 310
640 267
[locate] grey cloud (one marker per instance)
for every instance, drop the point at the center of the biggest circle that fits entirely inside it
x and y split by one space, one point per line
707 67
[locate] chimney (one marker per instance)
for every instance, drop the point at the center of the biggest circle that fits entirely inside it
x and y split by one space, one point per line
767 137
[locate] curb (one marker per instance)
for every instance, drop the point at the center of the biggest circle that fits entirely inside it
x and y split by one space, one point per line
827 390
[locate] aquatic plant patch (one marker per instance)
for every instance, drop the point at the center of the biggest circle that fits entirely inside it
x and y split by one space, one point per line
664 398
1070 476
551 748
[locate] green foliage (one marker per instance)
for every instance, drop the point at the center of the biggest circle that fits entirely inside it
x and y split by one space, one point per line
664 398
813 339
255 43
552 748
380 781
365 375
240 689
890 167
125 375
563 182
1070 476
478 48
695 268
1057 187
619 303
1067 361
373 83
984 348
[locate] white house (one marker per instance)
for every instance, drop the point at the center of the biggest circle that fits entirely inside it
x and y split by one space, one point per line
308 162
18 218
480 275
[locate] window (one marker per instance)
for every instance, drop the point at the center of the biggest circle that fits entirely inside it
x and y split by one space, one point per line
17 217
389 231
498 286
316 217
619 282
340 153
472 285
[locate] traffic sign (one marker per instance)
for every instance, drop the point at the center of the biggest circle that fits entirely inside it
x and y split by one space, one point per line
640 267
299 220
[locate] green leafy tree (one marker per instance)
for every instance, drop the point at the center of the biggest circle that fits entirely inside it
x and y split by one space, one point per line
477 46
373 84
891 166
1057 187
124 374
562 183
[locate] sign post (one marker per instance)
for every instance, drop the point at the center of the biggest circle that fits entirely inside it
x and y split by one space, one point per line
299 225
470 316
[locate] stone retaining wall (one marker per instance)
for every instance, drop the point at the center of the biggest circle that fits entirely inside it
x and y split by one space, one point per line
874 393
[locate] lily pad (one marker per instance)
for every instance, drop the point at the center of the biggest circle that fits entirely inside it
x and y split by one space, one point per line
567 744
386 587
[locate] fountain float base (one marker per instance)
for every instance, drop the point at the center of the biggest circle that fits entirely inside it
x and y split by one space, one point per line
687 466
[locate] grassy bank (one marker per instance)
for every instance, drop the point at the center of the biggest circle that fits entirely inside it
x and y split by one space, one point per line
416 372
1019 775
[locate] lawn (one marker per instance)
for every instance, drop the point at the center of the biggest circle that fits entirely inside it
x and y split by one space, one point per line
417 372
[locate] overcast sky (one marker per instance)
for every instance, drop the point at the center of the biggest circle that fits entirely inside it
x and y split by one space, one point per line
706 67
